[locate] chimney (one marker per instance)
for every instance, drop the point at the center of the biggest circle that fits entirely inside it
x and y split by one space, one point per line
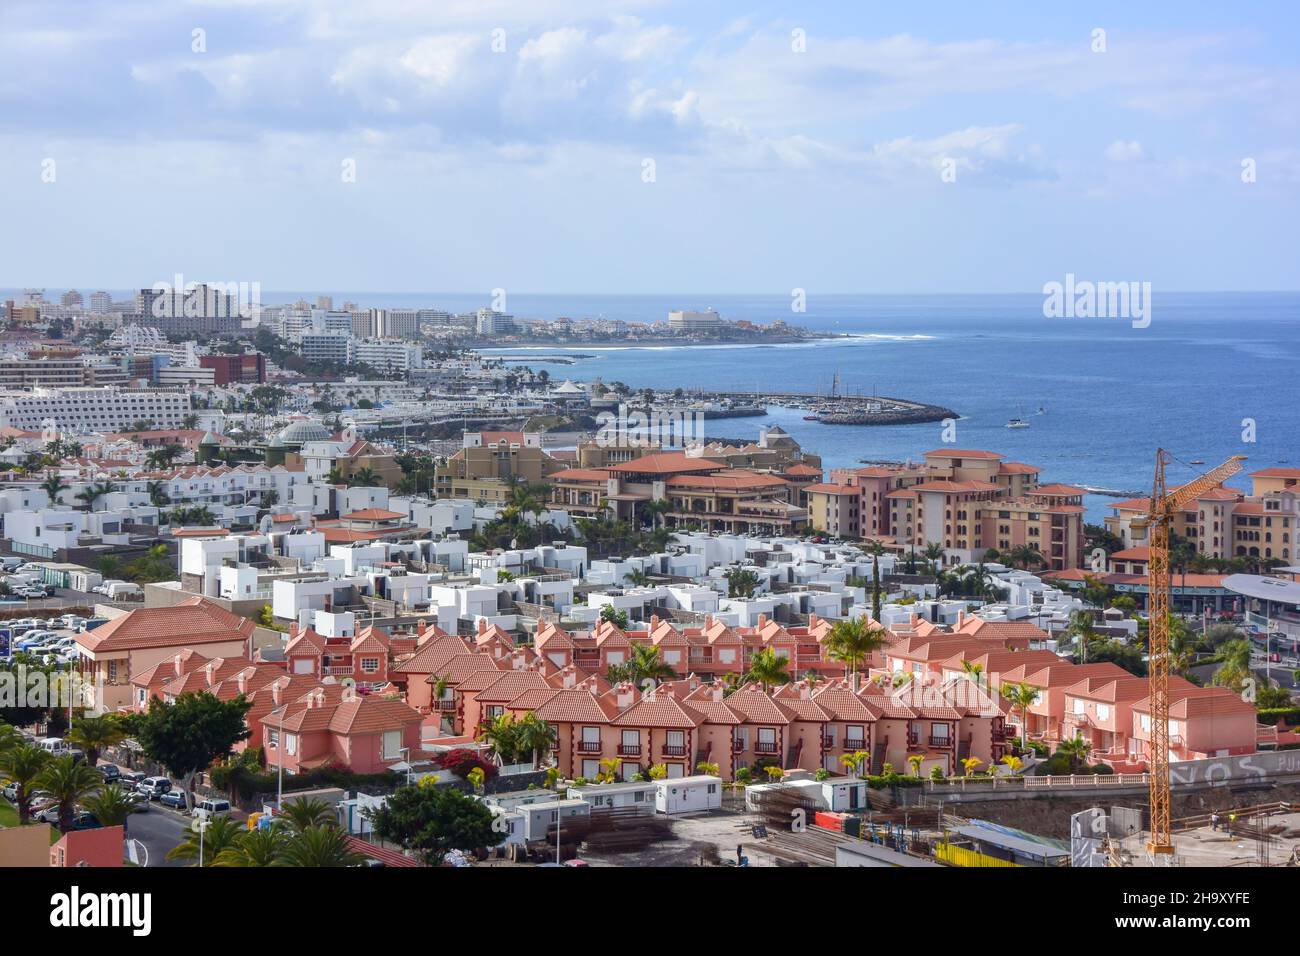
654 621
242 682
708 621
293 630
762 621
419 628
813 621
961 617
482 625
177 664
624 696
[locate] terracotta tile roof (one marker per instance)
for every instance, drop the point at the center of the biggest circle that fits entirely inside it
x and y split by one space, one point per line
961 453
373 514
657 709
827 489
1111 689
1276 473
461 666
757 707
433 655
1056 489
188 659
193 621
552 637
532 698
838 700
732 480
575 706
371 715
664 463
579 474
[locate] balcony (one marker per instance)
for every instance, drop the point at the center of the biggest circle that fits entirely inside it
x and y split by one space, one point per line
591 747
765 747
674 750
855 743
940 741
739 745
338 670
446 703
913 738
629 750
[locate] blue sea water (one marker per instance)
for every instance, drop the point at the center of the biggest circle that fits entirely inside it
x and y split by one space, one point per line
1112 393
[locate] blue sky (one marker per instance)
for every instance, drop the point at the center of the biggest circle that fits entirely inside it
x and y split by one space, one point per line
774 167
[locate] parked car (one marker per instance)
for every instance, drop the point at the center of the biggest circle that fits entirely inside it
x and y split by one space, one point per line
154 787
172 798
59 747
10 792
132 778
110 772
207 809
32 593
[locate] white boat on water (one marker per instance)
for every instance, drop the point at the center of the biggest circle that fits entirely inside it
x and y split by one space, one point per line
1017 423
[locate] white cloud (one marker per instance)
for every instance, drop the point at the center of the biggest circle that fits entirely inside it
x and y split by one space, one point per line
1125 152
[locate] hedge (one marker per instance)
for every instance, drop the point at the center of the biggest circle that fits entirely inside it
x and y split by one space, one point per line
1271 715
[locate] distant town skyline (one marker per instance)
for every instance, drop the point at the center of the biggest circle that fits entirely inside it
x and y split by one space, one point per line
584 148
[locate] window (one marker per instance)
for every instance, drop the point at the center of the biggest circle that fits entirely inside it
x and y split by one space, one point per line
369 664
273 738
392 744
1078 705
291 744
1103 712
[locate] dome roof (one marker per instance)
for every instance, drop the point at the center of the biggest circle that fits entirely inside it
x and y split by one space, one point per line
298 433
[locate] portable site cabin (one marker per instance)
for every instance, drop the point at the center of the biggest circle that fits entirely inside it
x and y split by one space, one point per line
604 796
864 853
514 799
843 794
509 824
540 817
688 794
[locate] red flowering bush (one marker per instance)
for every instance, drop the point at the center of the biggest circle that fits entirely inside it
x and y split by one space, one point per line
462 760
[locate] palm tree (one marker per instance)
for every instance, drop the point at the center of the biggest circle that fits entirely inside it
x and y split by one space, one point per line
307 812
68 781
158 495
52 486
94 492
502 735
644 663
973 670
94 735
1076 749
914 761
264 846
219 835
111 806
364 478
854 762
22 765
1013 763
852 641
609 768
536 736
320 846
969 764
933 555
1024 555
768 669
1082 630
637 578
1023 697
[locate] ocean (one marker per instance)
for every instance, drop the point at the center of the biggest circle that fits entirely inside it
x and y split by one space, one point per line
1213 375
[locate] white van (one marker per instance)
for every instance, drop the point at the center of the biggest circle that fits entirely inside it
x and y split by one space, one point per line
207 809
57 746
122 591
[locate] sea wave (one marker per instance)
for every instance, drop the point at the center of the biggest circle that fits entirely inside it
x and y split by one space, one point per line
855 338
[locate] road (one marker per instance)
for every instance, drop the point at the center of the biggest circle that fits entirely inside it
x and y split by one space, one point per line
159 829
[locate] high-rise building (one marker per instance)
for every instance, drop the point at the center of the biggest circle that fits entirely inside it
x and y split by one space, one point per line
100 302
71 299
246 368
491 322
325 302
682 321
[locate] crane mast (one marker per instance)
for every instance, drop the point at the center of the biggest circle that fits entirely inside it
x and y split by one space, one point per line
1159 519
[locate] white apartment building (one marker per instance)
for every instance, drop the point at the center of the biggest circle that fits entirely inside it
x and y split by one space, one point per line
81 410
391 354
685 321
491 322
333 347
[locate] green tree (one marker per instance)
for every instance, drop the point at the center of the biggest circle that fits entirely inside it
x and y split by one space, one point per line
364 478
219 835
94 735
1022 697
432 821
187 735
52 486
112 806
534 736
876 550
318 846
68 781
852 641
92 493
22 765
768 669
741 582
304 812
612 615
643 663
264 846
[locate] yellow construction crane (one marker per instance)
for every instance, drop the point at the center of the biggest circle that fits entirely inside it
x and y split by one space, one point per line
1160 515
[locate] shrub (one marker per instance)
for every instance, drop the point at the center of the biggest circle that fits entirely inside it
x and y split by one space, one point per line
462 760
